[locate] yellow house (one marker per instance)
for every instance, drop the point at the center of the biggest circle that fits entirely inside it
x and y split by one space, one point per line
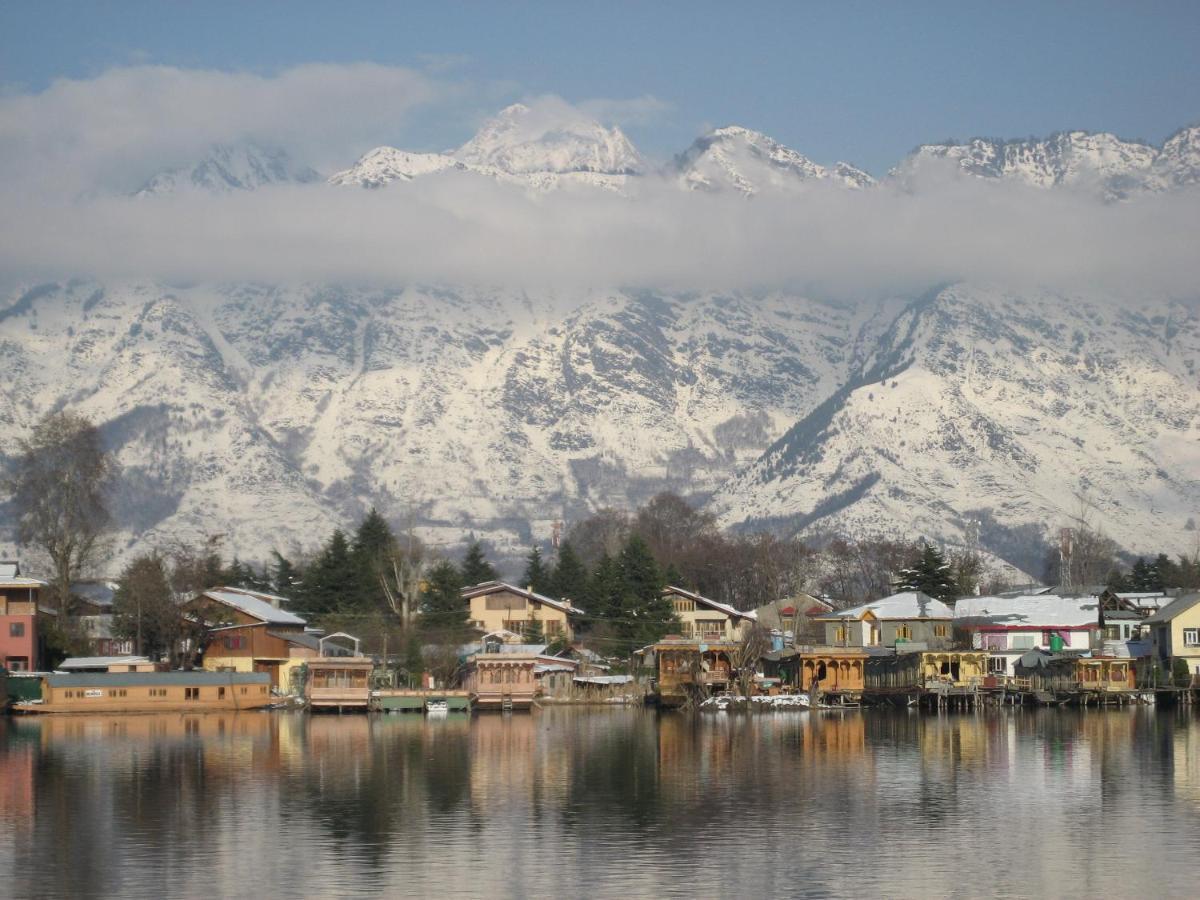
498 606
1175 633
702 619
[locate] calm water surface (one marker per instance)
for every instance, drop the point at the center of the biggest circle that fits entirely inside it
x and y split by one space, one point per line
605 803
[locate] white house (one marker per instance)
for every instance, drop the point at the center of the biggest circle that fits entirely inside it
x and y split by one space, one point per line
1008 627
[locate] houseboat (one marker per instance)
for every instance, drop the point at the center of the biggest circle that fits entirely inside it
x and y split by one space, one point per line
148 692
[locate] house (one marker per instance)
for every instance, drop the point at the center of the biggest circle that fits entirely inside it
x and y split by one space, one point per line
703 619
339 682
1008 627
910 617
499 606
687 668
261 635
19 647
795 618
1175 634
1143 603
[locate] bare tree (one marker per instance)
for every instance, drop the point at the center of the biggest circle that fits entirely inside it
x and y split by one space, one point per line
401 570
60 481
755 642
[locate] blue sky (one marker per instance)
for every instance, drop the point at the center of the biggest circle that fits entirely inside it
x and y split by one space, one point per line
864 82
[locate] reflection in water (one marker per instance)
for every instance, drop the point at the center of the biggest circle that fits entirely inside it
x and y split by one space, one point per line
602 803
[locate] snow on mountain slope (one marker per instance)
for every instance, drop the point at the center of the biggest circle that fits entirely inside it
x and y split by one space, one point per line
384 165
521 140
271 414
520 146
241 167
983 399
1112 167
735 158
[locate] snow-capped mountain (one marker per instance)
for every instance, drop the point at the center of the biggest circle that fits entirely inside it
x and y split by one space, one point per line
241 167
271 414
521 146
524 141
1102 162
985 404
735 158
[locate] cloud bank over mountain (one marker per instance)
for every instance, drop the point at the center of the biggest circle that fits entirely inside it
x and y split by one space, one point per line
72 155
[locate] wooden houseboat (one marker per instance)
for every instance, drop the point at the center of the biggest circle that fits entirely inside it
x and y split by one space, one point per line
149 692
1071 678
832 670
689 669
940 677
339 682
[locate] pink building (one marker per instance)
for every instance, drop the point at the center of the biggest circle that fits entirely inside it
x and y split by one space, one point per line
18 619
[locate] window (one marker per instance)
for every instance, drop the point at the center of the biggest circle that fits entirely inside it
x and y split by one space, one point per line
839 634
685 605
192 693
16 629
220 693
940 631
505 601
243 690
235 642
553 628
18 664
997 665
903 633
1191 637
1022 642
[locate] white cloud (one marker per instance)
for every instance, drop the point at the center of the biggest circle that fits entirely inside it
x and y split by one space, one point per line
60 148
127 123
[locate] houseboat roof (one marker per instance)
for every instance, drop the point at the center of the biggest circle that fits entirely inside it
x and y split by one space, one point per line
711 604
196 678
81 663
1031 611
906 605
256 604
495 587
1174 608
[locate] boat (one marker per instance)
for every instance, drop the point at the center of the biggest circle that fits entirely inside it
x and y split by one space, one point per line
149 692
436 705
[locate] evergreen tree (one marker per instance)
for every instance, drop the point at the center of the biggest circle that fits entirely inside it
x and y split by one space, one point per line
475 568
1143 577
570 579
673 576
644 614
443 608
331 577
537 574
373 541
604 590
285 577
534 633
241 574
930 574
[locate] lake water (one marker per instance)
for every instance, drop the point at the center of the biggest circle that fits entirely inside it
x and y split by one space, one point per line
603 803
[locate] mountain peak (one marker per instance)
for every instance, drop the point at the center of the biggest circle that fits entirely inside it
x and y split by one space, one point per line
551 137
737 158
228 168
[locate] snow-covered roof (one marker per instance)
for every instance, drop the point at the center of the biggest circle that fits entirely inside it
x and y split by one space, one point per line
711 604
495 587
10 576
907 605
9 568
1031 611
76 663
256 604
602 679
1145 600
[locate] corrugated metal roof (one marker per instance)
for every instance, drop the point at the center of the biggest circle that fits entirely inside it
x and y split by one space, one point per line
255 604
1173 609
602 679
100 662
155 679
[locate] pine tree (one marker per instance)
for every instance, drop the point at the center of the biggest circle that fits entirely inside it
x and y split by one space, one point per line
534 633
475 568
331 577
373 540
570 579
644 615
930 574
1142 576
537 575
144 608
673 576
285 577
605 589
443 608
